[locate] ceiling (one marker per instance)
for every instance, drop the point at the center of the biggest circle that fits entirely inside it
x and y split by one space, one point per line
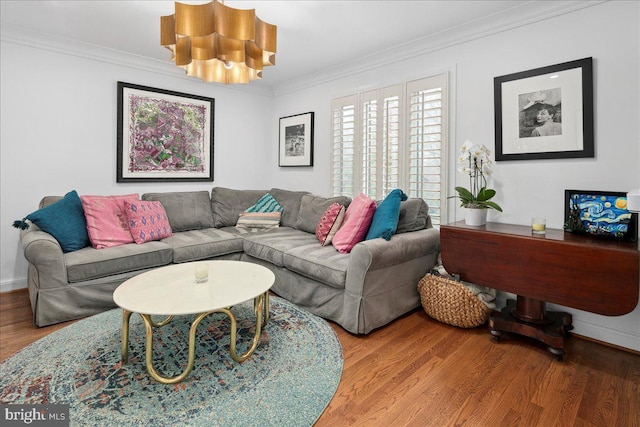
313 36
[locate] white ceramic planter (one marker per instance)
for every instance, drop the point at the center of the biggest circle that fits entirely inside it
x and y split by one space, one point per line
475 217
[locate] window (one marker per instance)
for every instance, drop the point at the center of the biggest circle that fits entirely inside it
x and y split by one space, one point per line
394 137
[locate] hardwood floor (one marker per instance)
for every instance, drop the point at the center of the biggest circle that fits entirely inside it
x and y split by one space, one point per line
419 372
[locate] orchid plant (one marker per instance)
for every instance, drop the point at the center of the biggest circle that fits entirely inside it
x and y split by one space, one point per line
474 161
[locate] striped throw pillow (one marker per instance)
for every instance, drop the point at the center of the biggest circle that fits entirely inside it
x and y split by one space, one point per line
259 220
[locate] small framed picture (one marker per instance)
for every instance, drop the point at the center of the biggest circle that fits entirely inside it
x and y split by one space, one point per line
546 113
163 136
600 213
296 140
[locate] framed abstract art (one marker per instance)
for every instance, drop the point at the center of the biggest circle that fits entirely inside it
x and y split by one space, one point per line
164 136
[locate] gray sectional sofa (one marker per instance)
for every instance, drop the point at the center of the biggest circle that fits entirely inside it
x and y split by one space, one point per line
361 291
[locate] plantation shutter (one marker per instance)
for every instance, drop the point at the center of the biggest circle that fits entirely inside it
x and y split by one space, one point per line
427 133
370 142
391 137
394 137
381 117
343 146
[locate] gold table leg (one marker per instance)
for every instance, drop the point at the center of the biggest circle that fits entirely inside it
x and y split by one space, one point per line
260 307
265 312
261 310
126 315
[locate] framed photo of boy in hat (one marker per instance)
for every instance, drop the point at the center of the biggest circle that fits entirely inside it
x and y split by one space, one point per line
528 112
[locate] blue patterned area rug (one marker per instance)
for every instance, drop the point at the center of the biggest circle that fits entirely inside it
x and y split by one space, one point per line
288 381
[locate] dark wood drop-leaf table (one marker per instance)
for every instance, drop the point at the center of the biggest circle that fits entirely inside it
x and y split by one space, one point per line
574 270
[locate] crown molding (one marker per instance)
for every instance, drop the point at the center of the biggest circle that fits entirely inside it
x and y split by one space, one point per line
93 52
506 20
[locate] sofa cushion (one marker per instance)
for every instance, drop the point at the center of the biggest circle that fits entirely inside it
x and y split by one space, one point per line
414 216
330 223
65 221
90 263
321 263
357 220
228 204
290 201
386 216
187 210
147 221
313 207
106 220
195 245
271 245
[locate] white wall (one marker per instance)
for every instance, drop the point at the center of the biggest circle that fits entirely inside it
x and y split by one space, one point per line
59 133
607 32
58 117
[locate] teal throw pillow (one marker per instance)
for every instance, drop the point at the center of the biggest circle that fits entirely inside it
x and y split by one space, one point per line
267 203
64 220
385 219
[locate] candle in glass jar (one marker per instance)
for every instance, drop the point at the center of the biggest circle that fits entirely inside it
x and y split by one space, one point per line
538 225
202 272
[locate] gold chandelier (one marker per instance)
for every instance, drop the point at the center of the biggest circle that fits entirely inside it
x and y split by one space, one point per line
217 43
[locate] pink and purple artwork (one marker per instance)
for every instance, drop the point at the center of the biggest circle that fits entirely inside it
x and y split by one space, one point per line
163 135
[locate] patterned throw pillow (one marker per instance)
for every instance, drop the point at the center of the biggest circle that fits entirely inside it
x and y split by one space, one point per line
357 220
147 221
266 204
261 220
64 220
329 223
106 220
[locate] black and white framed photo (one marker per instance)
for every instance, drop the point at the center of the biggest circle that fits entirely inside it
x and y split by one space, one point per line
545 113
163 136
296 140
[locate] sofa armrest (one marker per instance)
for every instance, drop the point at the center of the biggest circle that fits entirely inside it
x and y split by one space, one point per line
405 253
44 253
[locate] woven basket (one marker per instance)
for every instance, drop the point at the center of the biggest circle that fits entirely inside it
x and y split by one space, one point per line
451 302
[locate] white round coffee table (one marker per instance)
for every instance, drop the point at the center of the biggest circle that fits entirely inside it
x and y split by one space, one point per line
172 290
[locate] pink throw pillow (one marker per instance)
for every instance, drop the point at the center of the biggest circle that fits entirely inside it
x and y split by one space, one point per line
357 220
106 221
147 221
329 223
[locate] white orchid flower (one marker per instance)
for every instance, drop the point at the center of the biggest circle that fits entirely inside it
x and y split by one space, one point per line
467 146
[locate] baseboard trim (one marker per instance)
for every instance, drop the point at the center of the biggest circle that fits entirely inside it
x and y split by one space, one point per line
614 337
606 344
12 285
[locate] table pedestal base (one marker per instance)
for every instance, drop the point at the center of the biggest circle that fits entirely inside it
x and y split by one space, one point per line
261 310
529 317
